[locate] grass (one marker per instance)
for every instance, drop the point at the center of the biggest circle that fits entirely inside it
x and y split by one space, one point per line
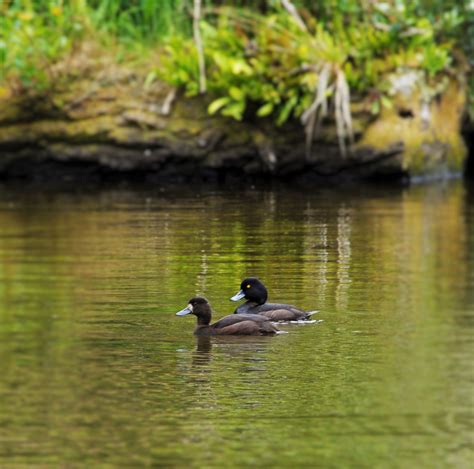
35 35
143 20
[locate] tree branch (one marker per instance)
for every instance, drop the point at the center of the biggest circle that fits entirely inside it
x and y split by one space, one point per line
199 47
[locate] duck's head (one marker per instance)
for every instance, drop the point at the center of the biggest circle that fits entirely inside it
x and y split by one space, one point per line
200 307
252 289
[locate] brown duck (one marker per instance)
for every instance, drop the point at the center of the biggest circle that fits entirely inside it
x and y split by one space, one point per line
234 324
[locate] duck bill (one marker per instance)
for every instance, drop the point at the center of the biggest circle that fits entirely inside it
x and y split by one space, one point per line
238 296
187 310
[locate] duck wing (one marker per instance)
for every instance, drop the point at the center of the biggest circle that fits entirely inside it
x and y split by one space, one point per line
232 319
249 327
281 312
244 324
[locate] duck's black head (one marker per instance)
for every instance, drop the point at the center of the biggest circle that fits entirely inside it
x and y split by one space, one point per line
200 307
252 289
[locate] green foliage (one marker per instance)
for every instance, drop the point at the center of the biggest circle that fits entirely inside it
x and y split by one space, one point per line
140 20
36 34
265 65
31 41
257 57
186 76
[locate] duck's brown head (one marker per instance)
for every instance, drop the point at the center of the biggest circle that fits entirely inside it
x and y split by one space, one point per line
200 307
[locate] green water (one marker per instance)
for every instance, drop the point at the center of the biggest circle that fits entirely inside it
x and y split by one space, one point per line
97 371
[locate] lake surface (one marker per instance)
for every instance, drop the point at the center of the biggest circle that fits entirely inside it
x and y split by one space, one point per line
97 371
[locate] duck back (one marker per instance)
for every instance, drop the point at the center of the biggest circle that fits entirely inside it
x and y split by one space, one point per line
274 311
239 324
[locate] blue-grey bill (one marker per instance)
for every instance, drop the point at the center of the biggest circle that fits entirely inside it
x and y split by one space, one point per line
184 311
238 296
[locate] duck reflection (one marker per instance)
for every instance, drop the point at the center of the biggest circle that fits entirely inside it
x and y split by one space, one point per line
202 355
245 351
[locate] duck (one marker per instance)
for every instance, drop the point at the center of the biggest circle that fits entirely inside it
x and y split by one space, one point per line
256 294
233 324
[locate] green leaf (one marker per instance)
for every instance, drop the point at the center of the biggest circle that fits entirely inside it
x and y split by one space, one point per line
235 110
150 78
217 104
183 75
236 93
240 67
265 110
192 89
375 107
221 61
286 110
386 102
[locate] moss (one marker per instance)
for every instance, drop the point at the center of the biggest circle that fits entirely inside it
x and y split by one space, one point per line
430 133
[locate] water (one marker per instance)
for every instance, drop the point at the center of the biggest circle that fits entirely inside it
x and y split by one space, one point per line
96 370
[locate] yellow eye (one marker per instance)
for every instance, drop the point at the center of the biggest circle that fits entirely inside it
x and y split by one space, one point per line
248 286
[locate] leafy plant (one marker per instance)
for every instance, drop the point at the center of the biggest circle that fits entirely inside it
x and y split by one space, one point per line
271 65
37 34
261 62
31 42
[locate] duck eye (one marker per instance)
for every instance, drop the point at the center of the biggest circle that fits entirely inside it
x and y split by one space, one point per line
248 286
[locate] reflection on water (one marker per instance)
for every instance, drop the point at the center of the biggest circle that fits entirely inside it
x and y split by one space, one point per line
95 368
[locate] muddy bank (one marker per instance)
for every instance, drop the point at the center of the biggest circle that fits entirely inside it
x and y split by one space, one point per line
113 127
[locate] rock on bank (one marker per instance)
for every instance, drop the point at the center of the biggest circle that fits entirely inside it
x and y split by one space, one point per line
115 126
